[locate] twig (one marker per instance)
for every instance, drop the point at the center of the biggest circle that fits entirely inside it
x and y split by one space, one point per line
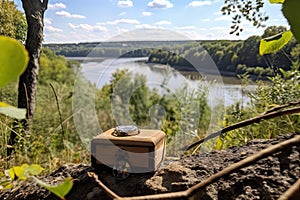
67 119
45 5
293 193
106 189
228 170
27 101
59 113
246 122
294 103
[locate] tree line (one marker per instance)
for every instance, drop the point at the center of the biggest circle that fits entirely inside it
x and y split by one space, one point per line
234 56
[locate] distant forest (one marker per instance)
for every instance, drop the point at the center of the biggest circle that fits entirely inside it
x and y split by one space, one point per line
232 56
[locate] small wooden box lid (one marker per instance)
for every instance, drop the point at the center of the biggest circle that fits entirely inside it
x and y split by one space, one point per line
146 137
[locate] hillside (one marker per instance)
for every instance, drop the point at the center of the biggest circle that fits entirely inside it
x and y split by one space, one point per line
229 55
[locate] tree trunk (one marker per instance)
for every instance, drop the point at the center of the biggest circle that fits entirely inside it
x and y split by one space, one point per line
34 11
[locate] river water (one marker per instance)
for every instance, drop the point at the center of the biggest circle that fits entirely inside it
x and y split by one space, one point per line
226 90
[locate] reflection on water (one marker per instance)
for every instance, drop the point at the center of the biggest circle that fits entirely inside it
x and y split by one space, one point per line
226 89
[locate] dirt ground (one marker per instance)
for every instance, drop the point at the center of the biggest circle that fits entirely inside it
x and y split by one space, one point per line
267 179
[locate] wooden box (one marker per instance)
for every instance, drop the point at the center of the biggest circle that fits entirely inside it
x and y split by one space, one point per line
142 152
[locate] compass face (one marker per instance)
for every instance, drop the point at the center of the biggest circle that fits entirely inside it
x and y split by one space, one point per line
126 130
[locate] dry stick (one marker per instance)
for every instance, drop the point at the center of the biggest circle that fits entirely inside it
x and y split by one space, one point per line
106 189
246 122
228 170
293 193
67 119
293 103
59 113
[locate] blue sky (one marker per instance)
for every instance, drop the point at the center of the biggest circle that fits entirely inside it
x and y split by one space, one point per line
98 20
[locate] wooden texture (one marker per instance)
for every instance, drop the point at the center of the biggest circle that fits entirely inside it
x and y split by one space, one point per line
144 151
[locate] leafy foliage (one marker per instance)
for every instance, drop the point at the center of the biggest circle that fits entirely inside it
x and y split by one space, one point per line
60 190
12 111
12 21
246 9
283 88
45 144
290 10
274 43
24 172
13 61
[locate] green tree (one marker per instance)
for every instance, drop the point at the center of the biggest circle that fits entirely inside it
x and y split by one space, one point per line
12 21
249 51
273 30
34 11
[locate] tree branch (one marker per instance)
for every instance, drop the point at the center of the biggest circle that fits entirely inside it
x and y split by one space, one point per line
247 122
59 112
45 5
294 103
293 193
106 189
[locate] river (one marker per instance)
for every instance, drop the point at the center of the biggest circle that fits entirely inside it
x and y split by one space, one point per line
220 89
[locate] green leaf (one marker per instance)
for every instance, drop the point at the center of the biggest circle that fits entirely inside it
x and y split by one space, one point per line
274 43
17 172
219 143
290 9
6 185
60 190
17 113
11 173
276 1
13 60
33 169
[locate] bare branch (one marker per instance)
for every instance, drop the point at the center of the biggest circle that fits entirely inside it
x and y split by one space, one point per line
247 122
293 193
106 189
45 4
294 103
59 112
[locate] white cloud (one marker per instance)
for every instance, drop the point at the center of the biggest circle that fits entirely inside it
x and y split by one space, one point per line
123 21
147 13
223 18
87 27
186 28
199 3
52 29
147 26
121 30
190 34
56 6
47 21
160 23
206 20
217 13
122 13
67 14
125 4
218 28
160 4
